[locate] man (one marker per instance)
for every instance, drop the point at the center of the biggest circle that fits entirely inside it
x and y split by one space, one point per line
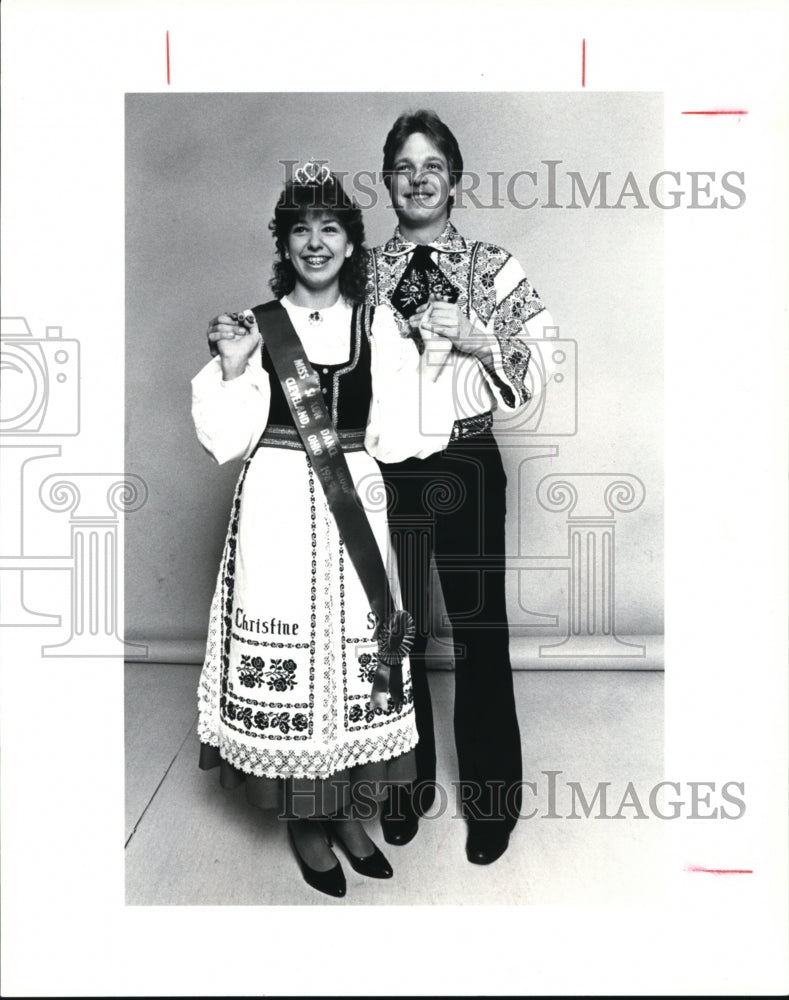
469 307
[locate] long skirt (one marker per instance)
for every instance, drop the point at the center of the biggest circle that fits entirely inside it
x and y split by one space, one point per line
284 694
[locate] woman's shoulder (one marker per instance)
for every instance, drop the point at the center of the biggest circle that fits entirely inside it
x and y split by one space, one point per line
267 306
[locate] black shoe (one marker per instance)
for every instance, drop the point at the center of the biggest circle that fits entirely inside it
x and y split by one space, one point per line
484 846
331 882
374 865
399 819
399 830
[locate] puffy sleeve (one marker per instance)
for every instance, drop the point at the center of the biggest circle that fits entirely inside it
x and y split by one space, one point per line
408 414
229 417
518 315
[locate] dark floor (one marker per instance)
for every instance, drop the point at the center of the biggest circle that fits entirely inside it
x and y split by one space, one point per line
191 843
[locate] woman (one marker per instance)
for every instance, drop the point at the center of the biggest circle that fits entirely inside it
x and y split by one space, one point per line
285 693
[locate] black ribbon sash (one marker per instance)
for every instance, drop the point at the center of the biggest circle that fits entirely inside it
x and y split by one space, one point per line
301 386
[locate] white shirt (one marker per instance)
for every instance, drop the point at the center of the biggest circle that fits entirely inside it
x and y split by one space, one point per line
230 416
498 299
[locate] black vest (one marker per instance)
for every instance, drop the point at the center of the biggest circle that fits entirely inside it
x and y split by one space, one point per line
347 387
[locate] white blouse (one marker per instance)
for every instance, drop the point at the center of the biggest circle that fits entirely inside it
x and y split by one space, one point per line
229 417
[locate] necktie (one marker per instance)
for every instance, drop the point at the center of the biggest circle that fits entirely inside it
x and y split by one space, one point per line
421 279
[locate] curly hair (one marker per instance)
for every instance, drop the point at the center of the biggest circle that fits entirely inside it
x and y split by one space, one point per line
295 203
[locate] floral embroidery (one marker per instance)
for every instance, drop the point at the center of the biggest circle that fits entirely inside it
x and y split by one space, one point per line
511 316
486 264
412 291
517 309
421 279
367 666
383 276
472 268
366 713
282 722
280 677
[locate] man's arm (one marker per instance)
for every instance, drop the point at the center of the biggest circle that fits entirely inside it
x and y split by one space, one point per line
500 345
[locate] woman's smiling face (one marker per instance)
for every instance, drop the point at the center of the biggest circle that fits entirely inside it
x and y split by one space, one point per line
421 183
318 247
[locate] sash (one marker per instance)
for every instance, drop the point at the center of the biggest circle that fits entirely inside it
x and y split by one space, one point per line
301 386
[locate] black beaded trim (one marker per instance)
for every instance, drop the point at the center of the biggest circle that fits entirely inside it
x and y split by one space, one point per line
282 436
471 426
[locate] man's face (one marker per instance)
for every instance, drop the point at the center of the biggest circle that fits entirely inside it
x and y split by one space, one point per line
421 185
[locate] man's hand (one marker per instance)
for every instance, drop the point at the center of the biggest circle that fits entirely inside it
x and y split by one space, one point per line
441 318
416 318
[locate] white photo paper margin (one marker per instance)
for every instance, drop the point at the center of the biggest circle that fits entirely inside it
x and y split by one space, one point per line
67 67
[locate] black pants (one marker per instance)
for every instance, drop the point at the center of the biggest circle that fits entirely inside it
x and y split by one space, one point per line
453 505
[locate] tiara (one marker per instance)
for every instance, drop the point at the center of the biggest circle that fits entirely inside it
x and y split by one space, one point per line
312 172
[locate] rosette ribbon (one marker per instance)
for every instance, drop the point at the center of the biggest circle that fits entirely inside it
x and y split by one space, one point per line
395 638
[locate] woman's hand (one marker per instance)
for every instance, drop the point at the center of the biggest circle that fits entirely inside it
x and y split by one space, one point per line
379 699
235 337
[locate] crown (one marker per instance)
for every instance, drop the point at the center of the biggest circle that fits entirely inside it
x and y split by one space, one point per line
312 172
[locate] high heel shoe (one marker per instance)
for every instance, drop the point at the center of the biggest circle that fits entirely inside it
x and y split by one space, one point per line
331 882
374 865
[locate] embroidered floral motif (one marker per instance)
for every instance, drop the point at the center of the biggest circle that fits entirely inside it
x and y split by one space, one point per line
421 279
471 268
413 291
366 713
280 721
367 666
281 676
511 316
487 262
252 675
383 276
517 309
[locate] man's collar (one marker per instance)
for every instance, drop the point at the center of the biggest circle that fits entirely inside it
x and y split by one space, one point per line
450 241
